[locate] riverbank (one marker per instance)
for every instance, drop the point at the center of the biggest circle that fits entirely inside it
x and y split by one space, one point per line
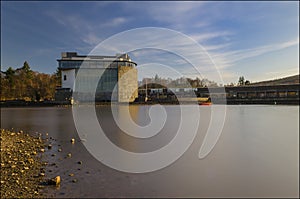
21 165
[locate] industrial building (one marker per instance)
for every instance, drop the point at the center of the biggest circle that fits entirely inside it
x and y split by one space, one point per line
112 70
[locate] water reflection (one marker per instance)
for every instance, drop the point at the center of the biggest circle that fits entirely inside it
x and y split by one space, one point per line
256 156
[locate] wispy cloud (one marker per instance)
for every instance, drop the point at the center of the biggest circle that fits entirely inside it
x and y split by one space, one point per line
229 58
73 21
204 37
91 39
116 22
176 14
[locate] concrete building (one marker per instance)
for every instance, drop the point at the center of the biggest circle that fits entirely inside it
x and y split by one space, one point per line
116 72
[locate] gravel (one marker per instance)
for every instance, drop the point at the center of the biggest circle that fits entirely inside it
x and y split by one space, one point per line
21 165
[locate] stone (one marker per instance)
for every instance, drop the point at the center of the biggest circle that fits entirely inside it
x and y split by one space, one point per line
55 181
72 140
30 160
49 146
79 162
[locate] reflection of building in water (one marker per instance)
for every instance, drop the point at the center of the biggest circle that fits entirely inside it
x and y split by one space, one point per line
115 71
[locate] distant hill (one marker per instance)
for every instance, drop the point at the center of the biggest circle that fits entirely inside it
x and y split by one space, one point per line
286 80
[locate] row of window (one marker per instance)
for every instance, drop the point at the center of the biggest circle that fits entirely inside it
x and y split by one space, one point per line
93 64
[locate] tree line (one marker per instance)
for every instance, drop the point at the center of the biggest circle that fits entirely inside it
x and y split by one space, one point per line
25 84
159 82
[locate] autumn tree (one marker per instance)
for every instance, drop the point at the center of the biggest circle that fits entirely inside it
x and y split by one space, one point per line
23 83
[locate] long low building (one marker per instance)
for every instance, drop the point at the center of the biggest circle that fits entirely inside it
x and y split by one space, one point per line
272 94
118 80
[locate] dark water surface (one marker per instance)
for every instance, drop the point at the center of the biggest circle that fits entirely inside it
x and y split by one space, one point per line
256 155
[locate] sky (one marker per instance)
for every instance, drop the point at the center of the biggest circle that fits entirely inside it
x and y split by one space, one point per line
257 40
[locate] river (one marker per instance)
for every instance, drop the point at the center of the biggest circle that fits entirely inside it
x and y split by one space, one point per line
257 154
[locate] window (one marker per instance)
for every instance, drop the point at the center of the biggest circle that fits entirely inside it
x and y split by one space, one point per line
65 77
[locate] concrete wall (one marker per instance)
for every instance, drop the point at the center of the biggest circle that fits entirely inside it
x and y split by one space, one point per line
127 84
70 78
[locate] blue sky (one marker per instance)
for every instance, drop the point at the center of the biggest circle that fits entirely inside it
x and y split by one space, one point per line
259 40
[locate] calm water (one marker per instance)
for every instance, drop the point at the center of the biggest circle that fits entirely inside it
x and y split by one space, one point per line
256 155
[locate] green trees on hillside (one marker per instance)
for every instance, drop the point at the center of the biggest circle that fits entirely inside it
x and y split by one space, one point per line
23 83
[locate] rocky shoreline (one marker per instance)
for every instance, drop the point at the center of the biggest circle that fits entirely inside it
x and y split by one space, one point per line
22 168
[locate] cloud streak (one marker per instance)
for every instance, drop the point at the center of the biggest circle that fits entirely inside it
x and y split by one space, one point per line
227 59
115 22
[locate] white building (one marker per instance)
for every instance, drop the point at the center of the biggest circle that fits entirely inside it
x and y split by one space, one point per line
112 70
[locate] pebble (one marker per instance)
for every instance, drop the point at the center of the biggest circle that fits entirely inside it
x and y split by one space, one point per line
49 146
71 174
20 168
42 150
79 162
74 180
30 160
54 181
72 140
69 155
59 150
